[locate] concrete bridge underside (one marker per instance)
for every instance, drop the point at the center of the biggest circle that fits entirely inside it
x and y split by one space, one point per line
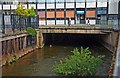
106 36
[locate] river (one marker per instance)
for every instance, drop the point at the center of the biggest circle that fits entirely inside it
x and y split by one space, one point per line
41 62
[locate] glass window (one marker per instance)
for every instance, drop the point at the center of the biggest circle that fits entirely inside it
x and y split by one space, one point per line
31 0
90 0
50 1
59 1
69 0
102 11
113 17
6 3
41 1
101 0
80 0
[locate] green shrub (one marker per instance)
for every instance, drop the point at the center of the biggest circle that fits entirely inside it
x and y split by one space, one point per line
80 63
31 31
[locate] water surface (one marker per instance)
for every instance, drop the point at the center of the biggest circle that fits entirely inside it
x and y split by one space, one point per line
41 61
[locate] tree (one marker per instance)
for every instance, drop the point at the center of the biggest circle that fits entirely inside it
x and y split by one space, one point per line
25 12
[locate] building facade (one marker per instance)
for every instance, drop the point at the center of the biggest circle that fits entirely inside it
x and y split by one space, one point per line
53 12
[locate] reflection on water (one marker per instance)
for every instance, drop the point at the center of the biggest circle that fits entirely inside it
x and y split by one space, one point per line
41 62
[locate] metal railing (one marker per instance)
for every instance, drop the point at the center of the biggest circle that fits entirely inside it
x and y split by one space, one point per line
13 22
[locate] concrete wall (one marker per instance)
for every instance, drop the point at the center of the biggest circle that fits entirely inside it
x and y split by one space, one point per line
109 40
117 60
19 45
40 39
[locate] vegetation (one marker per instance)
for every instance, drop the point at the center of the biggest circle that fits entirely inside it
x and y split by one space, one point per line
25 12
81 63
15 57
7 61
31 31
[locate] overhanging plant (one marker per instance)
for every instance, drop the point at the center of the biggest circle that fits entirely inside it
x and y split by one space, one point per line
32 32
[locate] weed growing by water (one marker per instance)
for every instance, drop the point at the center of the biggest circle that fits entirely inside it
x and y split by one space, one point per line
15 57
81 63
8 61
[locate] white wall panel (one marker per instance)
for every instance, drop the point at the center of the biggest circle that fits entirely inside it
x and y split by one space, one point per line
50 6
113 7
41 22
6 7
60 5
101 4
41 6
91 5
0 7
13 6
59 21
91 21
69 5
80 5
50 22
32 5
72 21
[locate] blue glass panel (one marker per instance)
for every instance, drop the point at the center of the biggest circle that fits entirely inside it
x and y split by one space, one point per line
102 11
80 12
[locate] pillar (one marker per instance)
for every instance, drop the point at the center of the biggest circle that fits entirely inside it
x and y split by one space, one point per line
4 47
40 43
8 47
13 45
16 44
24 42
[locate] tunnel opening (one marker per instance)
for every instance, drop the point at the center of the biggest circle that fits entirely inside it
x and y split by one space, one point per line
85 40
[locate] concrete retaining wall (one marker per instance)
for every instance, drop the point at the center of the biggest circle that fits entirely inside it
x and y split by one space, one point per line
18 45
109 40
117 61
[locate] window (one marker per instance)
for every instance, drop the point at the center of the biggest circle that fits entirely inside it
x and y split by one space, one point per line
80 0
113 17
32 1
69 1
50 1
90 3
41 1
59 1
102 0
102 11
90 0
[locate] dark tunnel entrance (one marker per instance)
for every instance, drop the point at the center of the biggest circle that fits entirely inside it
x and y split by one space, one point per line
86 40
